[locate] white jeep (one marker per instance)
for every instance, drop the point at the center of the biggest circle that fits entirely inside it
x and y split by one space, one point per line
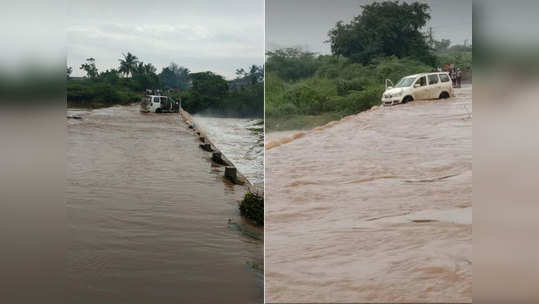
159 104
416 87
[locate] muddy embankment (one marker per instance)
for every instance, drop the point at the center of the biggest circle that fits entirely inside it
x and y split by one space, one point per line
376 207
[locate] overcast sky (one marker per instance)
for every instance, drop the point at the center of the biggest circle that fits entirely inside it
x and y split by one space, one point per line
202 35
305 23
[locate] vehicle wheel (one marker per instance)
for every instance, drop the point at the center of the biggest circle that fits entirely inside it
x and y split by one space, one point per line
158 111
407 99
444 95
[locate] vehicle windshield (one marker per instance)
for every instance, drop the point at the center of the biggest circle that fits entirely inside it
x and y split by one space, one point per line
405 82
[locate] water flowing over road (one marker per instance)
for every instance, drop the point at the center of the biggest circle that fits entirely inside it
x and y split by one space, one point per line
374 208
241 140
149 214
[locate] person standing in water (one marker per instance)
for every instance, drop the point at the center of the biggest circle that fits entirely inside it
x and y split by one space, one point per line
453 77
459 77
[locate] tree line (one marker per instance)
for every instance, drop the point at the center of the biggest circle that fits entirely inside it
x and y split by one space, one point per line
203 91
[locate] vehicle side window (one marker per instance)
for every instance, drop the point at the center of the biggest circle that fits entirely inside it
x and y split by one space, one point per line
444 78
433 79
422 81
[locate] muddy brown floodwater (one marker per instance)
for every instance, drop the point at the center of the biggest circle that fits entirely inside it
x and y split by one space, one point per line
148 215
375 208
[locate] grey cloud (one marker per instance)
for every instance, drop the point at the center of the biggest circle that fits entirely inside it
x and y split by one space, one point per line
306 22
201 35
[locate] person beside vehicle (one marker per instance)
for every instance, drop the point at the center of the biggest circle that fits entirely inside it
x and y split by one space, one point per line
459 77
453 76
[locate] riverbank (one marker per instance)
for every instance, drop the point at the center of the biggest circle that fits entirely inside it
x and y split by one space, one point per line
300 122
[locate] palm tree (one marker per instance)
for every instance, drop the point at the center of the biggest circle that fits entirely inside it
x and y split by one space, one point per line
139 68
128 64
149 68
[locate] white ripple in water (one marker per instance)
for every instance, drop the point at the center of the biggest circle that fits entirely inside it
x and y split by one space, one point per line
241 140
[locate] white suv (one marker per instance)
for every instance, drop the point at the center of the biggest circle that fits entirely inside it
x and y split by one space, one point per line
159 104
420 86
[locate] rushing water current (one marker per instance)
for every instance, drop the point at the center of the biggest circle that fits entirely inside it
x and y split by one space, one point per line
374 208
151 220
241 140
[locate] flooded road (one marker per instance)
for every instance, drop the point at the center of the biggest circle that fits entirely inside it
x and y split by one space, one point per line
241 140
374 208
148 215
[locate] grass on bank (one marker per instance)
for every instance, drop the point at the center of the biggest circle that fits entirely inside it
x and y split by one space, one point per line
300 122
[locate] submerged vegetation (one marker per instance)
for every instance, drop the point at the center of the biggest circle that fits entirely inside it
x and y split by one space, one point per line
204 91
252 207
304 89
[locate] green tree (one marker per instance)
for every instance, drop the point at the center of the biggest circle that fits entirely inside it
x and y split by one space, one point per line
128 64
291 63
384 29
110 76
175 76
90 68
149 68
460 48
144 77
256 74
240 73
208 91
243 78
442 45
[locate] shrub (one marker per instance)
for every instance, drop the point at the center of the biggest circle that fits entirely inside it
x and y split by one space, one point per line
394 68
357 101
252 207
286 109
291 63
310 96
345 86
